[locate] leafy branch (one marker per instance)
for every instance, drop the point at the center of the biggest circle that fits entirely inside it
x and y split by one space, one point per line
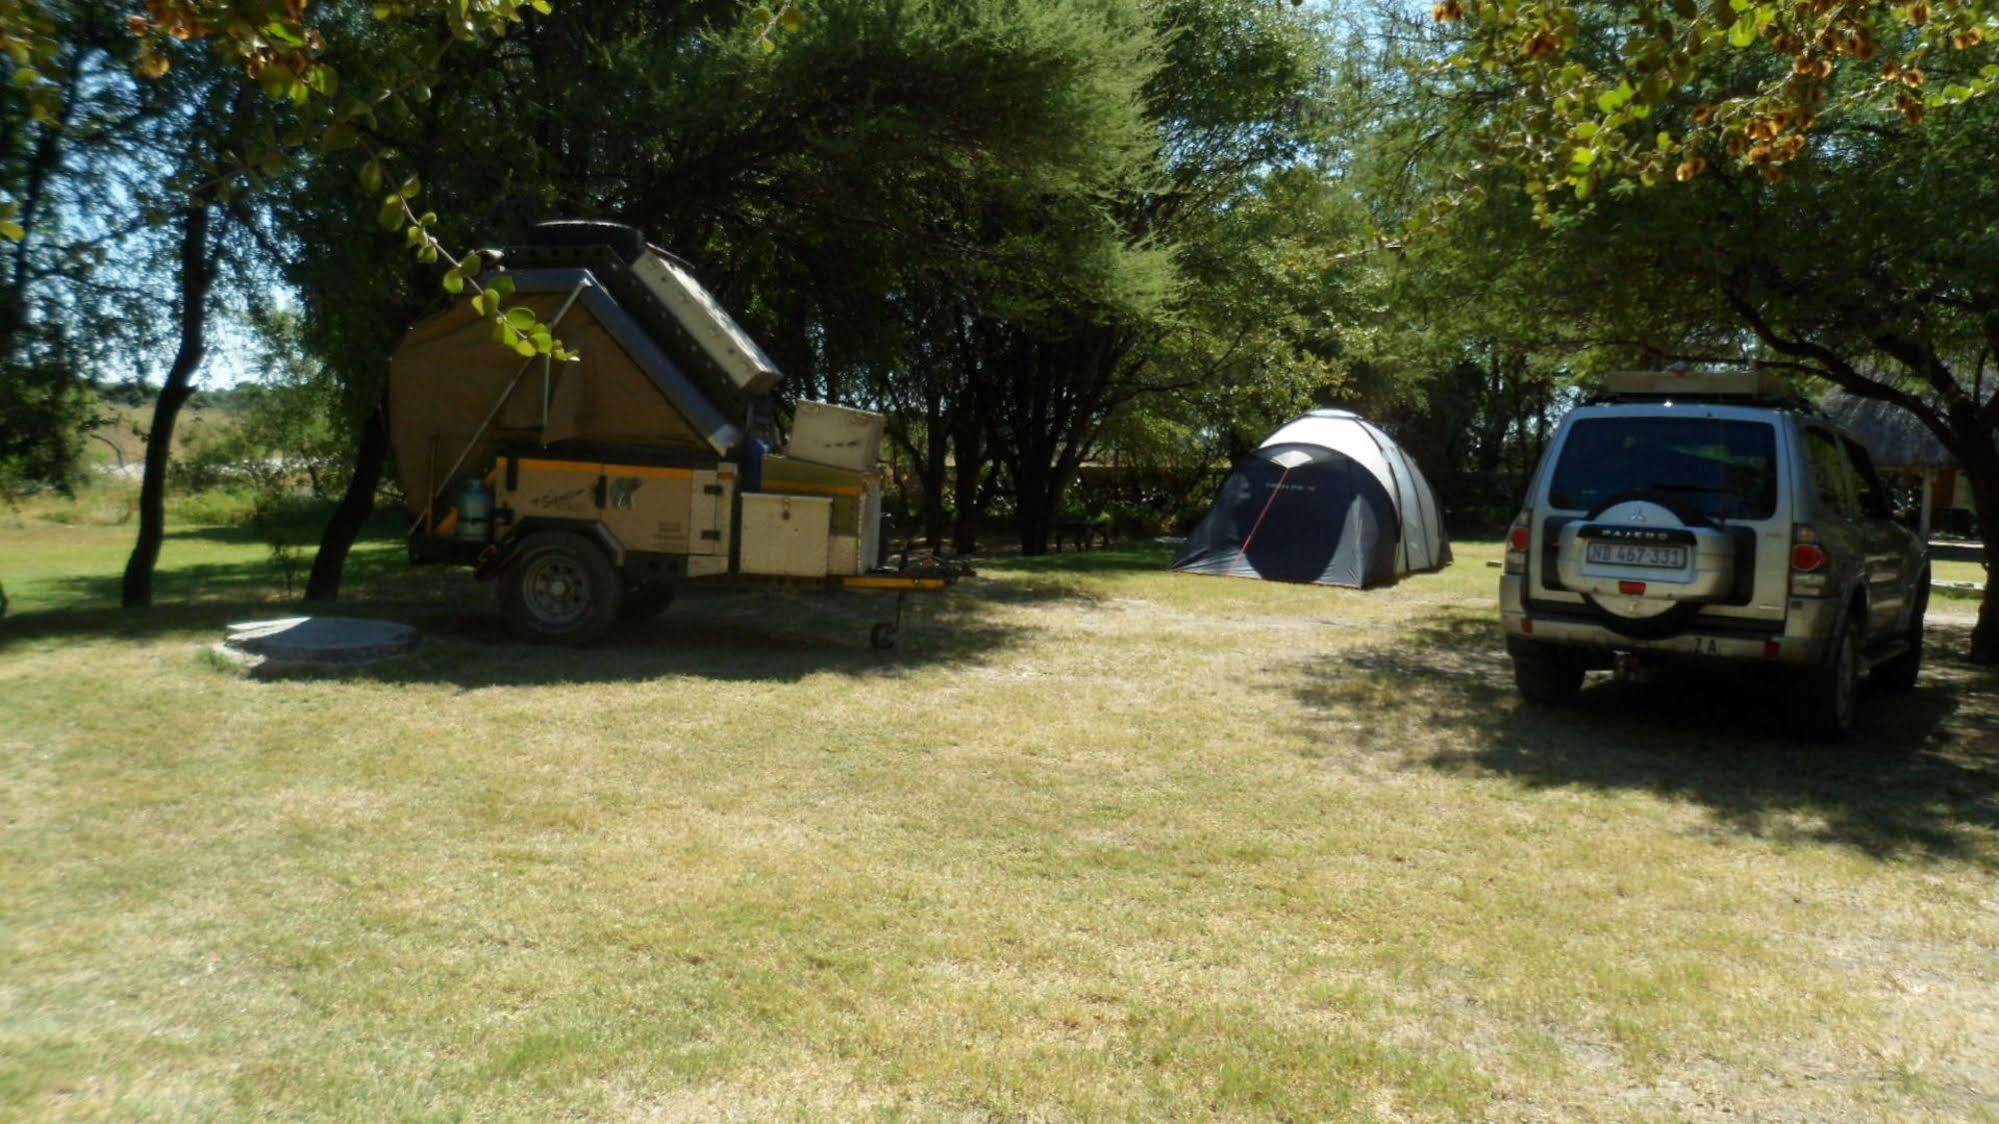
1585 82
273 44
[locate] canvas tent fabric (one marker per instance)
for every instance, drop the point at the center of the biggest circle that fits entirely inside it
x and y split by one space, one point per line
1329 499
448 374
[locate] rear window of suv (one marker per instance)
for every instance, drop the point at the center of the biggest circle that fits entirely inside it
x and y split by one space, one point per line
1727 469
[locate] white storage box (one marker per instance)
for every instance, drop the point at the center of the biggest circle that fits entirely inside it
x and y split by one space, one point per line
836 435
843 554
786 534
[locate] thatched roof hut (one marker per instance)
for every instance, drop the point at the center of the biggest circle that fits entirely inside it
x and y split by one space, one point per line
1895 437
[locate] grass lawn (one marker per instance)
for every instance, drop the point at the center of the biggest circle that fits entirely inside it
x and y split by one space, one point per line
1100 842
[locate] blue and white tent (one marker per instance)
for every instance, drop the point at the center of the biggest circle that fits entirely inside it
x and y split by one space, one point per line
1329 499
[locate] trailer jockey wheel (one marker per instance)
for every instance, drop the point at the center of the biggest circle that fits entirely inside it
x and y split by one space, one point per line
560 588
883 636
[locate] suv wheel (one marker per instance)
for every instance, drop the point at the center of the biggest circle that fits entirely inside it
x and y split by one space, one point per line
1543 673
1899 673
1827 698
560 588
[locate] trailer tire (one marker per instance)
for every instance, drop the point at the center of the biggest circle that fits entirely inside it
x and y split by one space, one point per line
559 588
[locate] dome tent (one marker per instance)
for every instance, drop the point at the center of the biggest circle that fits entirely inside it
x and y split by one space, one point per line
1329 499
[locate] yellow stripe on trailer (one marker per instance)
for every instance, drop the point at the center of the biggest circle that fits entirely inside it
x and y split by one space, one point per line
599 469
783 487
885 581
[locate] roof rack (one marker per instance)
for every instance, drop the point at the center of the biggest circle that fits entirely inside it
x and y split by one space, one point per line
1750 386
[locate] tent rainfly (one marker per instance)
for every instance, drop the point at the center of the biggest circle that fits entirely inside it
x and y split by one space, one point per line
1329 499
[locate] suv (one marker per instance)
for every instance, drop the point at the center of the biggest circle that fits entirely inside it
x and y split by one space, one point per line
1713 519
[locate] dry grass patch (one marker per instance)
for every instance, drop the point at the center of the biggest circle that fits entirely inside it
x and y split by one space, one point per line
1103 842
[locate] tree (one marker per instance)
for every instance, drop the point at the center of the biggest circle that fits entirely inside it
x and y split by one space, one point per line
64 317
220 117
1231 105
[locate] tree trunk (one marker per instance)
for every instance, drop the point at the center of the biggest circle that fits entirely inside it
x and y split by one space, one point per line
933 468
968 447
969 493
196 278
1985 493
345 524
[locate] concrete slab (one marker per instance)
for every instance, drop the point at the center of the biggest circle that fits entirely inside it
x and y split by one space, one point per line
314 642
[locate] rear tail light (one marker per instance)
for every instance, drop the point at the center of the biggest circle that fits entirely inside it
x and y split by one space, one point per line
1518 539
1808 562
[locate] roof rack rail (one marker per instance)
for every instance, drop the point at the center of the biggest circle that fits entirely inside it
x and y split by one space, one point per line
1746 386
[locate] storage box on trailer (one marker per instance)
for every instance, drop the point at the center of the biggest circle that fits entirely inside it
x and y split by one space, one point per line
836 435
787 535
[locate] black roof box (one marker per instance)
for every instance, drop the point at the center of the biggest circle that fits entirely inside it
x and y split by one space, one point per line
628 242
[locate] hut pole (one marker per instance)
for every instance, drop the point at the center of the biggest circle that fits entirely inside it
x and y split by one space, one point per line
1929 490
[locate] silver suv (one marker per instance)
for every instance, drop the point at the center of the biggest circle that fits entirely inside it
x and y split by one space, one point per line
1713 519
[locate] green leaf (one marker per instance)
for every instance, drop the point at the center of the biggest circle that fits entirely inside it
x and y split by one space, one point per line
324 80
520 318
793 19
1610 100
454 281
339 137
760 15
1582 158
524 347
11 230
1743 33
471 264
371 175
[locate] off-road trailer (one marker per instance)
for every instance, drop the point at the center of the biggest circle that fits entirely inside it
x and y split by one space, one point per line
589 490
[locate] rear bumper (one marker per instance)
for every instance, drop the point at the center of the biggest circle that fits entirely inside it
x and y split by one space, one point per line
1808 627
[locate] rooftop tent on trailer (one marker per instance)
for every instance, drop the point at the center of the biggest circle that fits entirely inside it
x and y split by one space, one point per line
1329 499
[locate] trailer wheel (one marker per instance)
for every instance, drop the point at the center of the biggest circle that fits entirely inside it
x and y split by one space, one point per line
883 636
558 588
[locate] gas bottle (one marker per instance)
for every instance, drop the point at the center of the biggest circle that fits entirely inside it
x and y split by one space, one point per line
475 512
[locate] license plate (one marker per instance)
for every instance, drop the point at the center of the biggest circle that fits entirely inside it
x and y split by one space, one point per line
1631 554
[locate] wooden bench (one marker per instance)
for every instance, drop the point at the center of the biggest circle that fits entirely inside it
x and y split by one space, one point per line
1083 532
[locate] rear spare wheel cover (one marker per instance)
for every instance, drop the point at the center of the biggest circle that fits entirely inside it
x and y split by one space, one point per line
1642 617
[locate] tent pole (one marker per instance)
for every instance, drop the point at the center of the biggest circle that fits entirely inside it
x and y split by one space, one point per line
500 403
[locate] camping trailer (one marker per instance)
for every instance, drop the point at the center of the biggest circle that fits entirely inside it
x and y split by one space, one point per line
590 489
